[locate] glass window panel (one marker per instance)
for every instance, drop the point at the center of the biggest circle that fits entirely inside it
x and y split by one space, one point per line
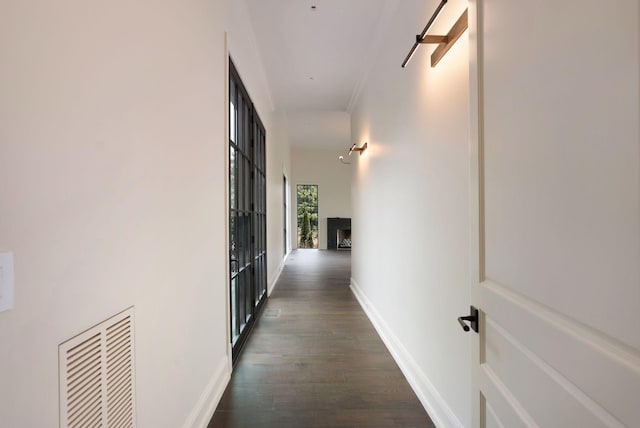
240 181
264 233
256 189
259 192
232 111
248 300
255 231
257 147
234 304
247 185
240 122
240 307
263 192
259 201
264 274
233 166
247 127
258 281
242 294
263 158
247 247
262 153
233 244
240 242
241 119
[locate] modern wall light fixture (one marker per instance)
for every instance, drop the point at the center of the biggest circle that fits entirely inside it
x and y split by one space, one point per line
357 149
351 150
444 42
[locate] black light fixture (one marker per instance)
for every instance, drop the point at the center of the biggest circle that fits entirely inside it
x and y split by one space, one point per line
420 36
352 149
357 149
444 42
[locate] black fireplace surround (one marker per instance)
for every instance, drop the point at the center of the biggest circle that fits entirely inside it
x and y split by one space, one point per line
335 224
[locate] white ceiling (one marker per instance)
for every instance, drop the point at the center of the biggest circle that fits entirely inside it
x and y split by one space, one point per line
319 129
315 59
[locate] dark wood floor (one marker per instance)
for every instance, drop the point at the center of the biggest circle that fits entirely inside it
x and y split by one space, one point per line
315 360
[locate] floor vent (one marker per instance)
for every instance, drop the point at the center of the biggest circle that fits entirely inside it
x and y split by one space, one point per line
97 376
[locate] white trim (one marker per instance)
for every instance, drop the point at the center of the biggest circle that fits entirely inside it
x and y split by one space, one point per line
434 404
225 159
476 202
210 397
276 276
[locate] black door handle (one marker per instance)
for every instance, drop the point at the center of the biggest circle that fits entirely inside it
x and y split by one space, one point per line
472 318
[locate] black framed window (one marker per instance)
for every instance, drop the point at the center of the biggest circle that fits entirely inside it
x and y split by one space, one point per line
247 212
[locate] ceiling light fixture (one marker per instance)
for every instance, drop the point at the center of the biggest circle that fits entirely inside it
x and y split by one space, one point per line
444 42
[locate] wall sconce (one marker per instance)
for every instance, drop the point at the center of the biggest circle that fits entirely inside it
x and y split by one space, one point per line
357 149
351 150
444 42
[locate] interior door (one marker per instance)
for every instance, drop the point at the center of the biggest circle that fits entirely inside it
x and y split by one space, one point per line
555 213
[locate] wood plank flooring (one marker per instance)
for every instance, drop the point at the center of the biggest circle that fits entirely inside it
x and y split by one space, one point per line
315 360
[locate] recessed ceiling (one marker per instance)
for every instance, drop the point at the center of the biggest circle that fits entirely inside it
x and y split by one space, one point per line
315 58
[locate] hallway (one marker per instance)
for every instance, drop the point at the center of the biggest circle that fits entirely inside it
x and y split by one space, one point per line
315 360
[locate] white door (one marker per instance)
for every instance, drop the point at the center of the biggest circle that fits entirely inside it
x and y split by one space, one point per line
556 212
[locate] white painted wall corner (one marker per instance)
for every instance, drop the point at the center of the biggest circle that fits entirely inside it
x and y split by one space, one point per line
206 405
276 275
434 404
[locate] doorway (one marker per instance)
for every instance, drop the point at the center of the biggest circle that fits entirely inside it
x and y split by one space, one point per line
307 213
285 213
247 212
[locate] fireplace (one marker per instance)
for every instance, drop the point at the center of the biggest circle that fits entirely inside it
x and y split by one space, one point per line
338 233
344 239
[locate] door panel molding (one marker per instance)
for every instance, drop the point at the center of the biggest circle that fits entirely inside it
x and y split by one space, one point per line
490 418
547 392
505 406
570 351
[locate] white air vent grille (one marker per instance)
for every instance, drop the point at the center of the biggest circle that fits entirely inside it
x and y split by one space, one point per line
119 375
97 376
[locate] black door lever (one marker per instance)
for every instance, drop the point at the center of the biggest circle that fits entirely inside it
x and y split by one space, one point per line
472 318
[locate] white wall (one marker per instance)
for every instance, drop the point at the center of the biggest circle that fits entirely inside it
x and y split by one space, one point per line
411 211
113 189
321 167
278 165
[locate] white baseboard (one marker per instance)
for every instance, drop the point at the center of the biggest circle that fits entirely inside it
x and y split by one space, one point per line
210 397
276 276
434 404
